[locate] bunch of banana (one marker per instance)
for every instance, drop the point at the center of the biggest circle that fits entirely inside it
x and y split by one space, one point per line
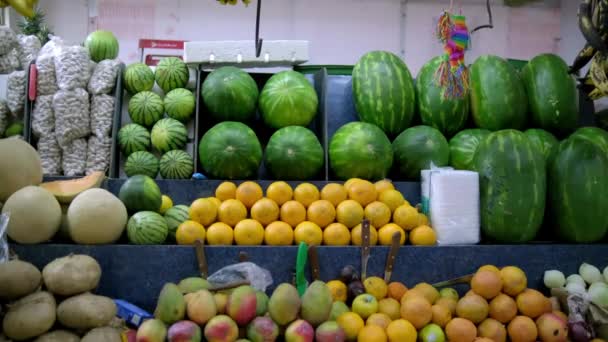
233 2
23 7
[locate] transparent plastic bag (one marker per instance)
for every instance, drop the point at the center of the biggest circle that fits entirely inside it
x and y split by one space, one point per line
102 112
74 157
46 82
3 116
9 62
98 155
72 67
104 77
72 119
259 278
4 252
29 47
15 92
8 40
43 119
50 155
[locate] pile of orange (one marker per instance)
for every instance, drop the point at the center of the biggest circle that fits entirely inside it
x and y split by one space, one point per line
283 215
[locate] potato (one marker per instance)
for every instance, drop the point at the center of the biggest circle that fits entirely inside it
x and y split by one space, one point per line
30 316
18 278
104 334
86 311
72 274
58 336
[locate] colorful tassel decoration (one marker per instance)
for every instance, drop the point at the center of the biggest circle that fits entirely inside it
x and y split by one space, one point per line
453 74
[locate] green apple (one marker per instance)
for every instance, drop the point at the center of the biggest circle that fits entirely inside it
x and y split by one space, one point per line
431 333
365 305
337 308
449 293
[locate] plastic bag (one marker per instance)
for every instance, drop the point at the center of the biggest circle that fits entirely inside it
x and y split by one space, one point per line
50 155
15 92
72 67
29 47
102 112
43 119
3 116
4 252
46 83
72 120
98 155
8 40
9 62
104 77
259 278
74 157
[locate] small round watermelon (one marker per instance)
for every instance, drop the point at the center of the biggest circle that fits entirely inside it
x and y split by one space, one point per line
230 94
417 148
140 193
595 135
463 146
288 99
176 164
147 228
142 163
230 150
171 73
138 77
294 153
179 104
175 216
102 45
169 134
360 150
132 138
544 141
146 108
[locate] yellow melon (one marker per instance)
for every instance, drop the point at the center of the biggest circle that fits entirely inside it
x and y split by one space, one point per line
66 190
20 166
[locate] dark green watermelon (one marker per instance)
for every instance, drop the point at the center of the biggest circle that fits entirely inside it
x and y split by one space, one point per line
383 90
101 45
361 150
230 150
230 94
498 96
552 94
463 147
448 115
417 148
294 153
512 186
544 141
140 193
595 135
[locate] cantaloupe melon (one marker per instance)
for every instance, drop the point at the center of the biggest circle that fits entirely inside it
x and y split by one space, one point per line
66 190
96 216
35 215
20 166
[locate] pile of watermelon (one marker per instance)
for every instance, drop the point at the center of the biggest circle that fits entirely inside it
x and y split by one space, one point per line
154 142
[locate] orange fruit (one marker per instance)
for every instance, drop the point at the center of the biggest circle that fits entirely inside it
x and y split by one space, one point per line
203 211
503 308
334 192
417 310
350 182
321 212
363 192
390 307
472 307
338 290
514 280
428 291
351 323
492 329
423 236
248 193
249 232
396 290
522 329
491 268
306 193
422 220
441 315
372 333
376 287
188 232
165 204
308 232
231 212
293 213
378 213
392 198
383 185
265 211
278 233
385 234
219 233
461 330
532 303
280 192
486 284
379 319
406 216
225 191
401 331
215 201
355 236
350 213
449 303
336 234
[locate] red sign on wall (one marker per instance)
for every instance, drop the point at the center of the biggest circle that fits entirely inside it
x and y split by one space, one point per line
161 44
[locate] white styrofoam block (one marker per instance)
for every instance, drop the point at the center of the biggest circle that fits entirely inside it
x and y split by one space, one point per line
453 203
242 53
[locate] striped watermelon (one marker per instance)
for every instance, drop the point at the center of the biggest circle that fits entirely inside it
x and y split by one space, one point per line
577 188
146 108
230 150
169 134
545 142
230 94
140 193
498 96
175 216
418 148
360 150
101 45
595 135
294 153
132 138
447 115
463 146
141 163
512 186
147 228
180 104
288 99
552 94
383 90
138 77
176 164
171 73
